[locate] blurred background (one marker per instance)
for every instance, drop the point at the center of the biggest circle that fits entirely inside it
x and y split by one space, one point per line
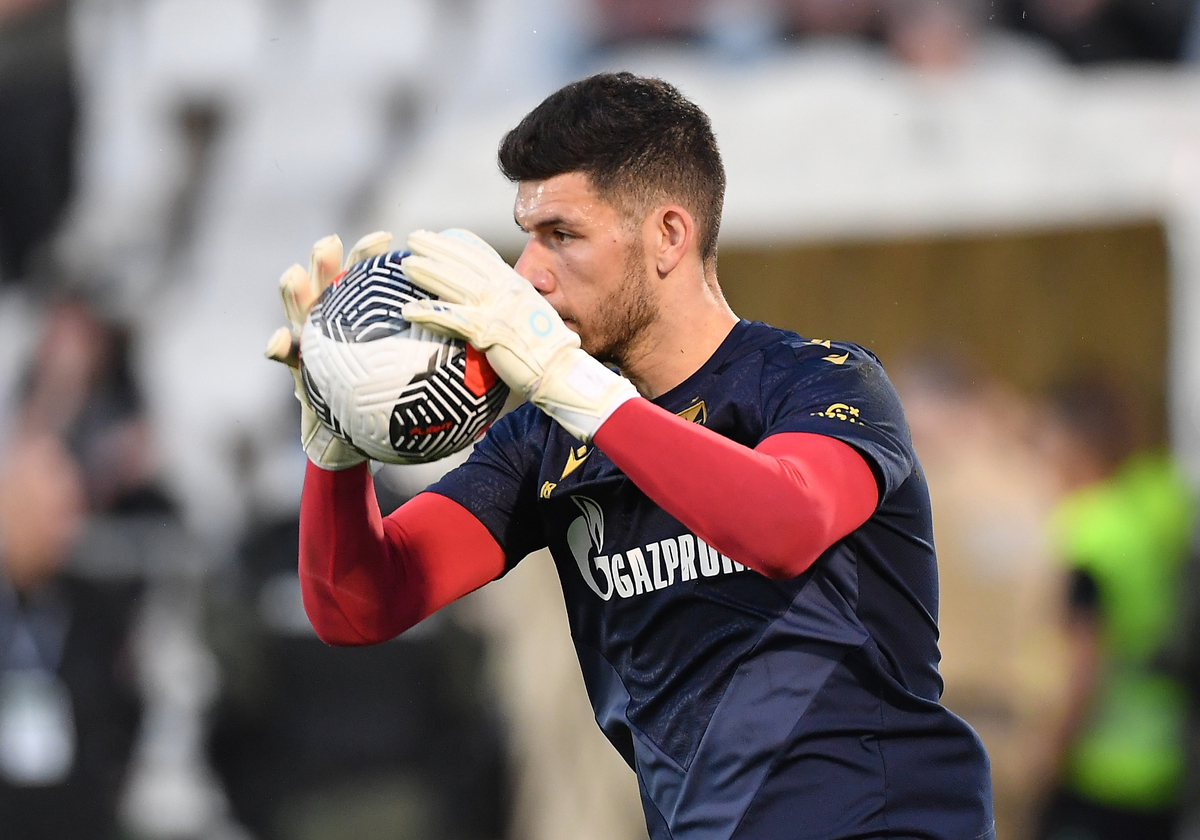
1001 198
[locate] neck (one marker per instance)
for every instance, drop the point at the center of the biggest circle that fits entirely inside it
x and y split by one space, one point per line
687 331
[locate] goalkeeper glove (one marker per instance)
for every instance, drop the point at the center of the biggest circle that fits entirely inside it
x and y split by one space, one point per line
300 289
485 302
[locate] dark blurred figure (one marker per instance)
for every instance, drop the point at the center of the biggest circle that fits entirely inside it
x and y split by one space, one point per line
626 21
1000 590
79 392
936 35
398 741
1093 31
1123 527
37 130
928 34
81 388
68 704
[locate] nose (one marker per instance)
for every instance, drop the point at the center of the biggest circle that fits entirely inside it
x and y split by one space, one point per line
533 266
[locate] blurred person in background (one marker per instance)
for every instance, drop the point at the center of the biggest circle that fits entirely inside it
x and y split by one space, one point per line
80 387
1094 31
1123 528
1001 641
927 34
37 131
400 740
69 706
924 34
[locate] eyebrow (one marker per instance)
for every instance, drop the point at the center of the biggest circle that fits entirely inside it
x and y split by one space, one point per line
552 222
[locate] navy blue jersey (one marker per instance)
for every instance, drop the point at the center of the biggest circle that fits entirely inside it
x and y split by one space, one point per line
751 707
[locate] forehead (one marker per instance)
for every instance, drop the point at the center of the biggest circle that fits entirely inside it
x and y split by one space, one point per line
569 197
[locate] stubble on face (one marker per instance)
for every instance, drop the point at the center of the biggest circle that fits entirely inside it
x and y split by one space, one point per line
622 318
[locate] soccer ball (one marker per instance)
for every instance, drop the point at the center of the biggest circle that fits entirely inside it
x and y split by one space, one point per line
394 391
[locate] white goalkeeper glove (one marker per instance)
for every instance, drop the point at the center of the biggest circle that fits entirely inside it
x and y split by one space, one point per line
300 290
486 303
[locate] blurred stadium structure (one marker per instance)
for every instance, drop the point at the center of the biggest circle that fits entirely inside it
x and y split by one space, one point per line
922 180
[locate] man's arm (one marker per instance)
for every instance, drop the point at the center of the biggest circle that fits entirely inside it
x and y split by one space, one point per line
775 508
366 578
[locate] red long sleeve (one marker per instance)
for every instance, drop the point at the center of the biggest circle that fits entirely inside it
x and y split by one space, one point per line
365 578
774 508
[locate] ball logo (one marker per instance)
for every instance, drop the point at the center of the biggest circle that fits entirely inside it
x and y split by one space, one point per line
430 430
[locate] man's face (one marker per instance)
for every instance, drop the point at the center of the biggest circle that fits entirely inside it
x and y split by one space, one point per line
588 262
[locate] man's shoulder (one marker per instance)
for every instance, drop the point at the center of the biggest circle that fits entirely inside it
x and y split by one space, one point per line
787 353
778 342
523 429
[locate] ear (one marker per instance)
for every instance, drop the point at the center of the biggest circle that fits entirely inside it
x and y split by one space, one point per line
675 235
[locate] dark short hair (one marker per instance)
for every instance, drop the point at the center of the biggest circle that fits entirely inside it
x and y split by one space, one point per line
1101 411
639 141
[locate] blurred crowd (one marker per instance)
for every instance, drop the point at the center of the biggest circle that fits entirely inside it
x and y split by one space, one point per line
923 33
161 161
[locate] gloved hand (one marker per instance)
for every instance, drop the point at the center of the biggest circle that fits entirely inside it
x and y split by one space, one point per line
486 303
300 290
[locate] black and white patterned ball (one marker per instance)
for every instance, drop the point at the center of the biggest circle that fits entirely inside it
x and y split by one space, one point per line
394 391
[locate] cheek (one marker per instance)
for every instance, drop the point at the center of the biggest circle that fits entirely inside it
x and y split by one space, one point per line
574 273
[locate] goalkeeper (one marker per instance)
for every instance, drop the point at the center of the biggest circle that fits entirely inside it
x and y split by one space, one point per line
739 523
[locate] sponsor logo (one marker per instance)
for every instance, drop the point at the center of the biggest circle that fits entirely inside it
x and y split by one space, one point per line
585 537
837 360
642 569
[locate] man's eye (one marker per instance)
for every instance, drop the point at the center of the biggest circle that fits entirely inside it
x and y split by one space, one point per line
561 236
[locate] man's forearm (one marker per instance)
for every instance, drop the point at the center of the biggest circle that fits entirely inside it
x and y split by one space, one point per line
365 578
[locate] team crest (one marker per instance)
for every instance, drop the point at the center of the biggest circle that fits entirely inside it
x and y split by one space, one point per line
697 412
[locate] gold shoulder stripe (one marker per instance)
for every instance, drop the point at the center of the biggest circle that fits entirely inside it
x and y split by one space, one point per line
837 360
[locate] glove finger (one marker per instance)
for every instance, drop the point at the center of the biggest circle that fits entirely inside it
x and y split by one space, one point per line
446 281
282 346
456 245
443 318
301 395
296 289
371 245
456 237
324 263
